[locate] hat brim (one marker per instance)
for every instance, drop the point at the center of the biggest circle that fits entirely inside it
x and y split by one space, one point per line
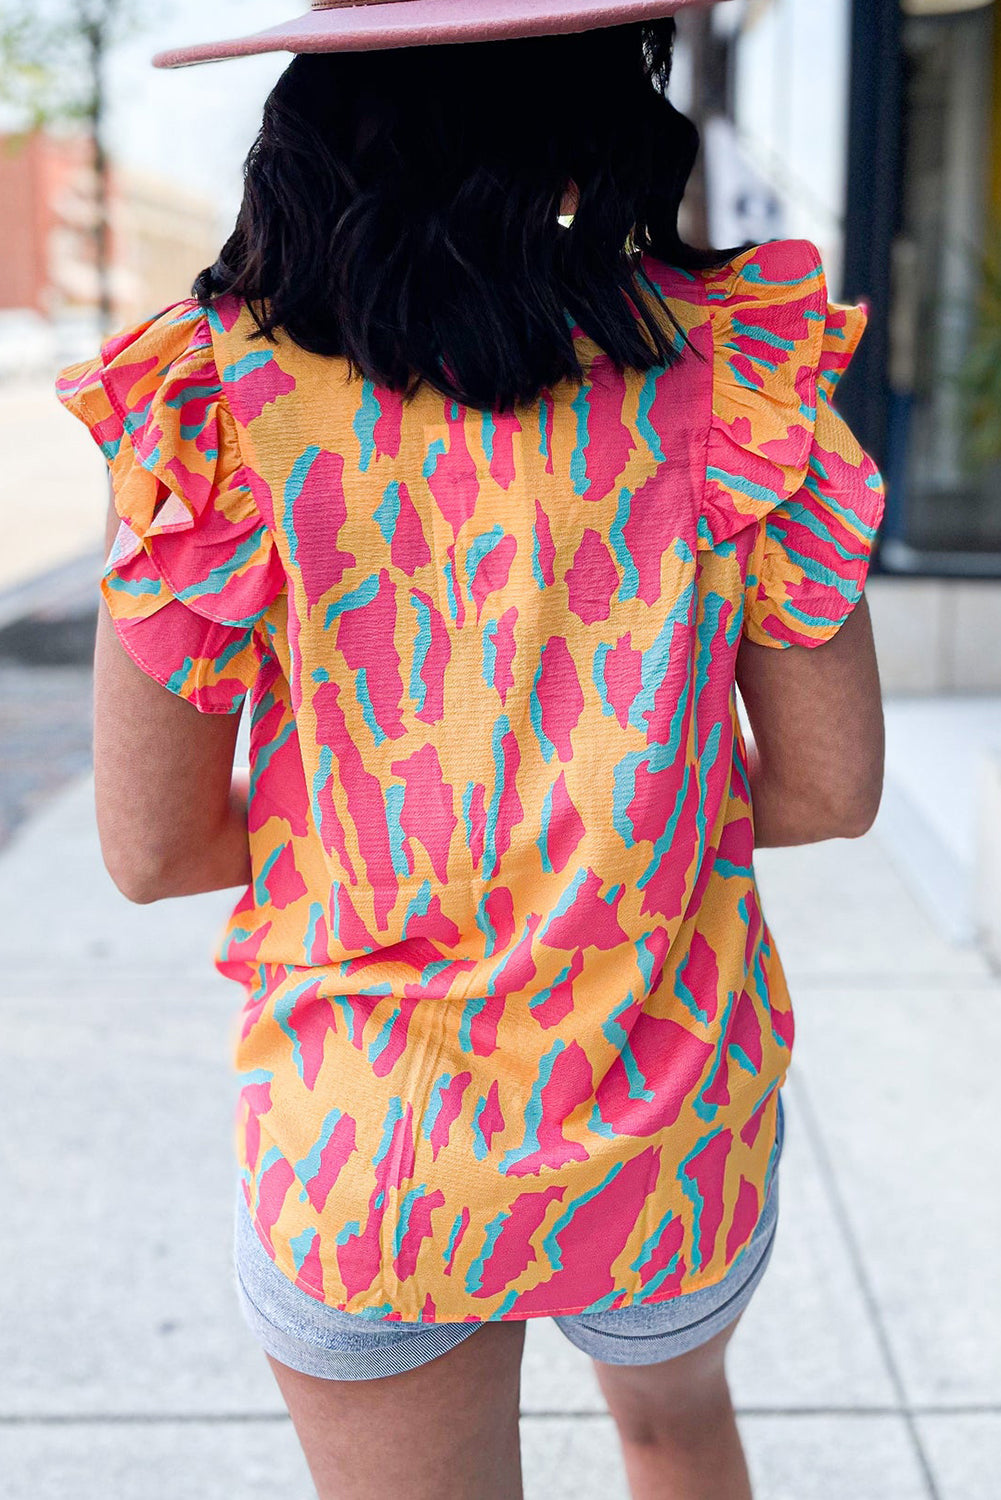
423 23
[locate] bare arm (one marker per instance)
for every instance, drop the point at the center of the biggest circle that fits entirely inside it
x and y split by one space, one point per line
171 811
816 764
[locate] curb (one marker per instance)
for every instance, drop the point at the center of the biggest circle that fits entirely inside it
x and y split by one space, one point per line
50 619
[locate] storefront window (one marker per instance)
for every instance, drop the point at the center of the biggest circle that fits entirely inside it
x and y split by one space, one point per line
947 486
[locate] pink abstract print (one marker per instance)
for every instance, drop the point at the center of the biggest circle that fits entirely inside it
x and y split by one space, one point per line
514 1024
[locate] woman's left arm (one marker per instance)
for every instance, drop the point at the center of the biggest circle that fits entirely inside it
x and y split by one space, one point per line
171 810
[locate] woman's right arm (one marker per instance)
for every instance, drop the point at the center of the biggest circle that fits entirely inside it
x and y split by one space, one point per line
816 762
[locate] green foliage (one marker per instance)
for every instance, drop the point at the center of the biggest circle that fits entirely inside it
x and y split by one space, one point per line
980 379
31 88
51 55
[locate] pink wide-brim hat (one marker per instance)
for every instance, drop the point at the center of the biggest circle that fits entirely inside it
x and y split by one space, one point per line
366 25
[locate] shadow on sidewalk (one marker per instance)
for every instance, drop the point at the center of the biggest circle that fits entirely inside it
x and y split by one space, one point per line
46 685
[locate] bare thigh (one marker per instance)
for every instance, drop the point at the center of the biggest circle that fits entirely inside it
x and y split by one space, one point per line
649 1401
447 1430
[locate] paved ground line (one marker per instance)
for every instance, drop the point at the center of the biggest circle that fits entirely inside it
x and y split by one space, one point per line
190 1418
853 1248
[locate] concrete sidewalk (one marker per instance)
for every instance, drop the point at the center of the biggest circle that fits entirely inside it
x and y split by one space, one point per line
867 1368
53 483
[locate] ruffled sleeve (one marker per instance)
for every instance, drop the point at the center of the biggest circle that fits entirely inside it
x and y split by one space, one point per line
193 567
779 458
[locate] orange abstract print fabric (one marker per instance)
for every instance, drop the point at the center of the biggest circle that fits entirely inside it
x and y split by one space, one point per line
515 1024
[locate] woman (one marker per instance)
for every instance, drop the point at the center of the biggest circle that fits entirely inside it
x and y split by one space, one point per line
488 517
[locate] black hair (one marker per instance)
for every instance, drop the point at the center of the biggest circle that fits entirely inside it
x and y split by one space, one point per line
401 211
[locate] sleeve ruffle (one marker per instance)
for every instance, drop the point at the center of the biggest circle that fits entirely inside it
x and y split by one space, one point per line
779 457
193 566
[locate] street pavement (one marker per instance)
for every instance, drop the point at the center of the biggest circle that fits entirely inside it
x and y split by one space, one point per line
45 735
868 1366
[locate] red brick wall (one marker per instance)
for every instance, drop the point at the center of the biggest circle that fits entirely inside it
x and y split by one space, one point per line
23 254
46 207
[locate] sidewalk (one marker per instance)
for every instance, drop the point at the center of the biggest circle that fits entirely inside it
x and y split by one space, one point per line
53 484
867 1368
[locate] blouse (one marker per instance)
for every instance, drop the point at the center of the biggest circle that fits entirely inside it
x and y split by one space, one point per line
514 1022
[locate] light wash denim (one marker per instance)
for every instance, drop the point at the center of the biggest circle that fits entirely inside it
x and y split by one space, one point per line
319 1340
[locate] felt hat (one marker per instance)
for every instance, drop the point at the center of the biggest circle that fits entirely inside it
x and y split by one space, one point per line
364 25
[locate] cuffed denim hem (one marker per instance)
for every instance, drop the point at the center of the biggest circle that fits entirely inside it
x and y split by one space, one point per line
325 1341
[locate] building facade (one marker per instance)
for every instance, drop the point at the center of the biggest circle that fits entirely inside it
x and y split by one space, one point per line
873 127
161 234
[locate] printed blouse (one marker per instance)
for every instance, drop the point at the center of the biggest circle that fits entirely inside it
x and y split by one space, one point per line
514 1025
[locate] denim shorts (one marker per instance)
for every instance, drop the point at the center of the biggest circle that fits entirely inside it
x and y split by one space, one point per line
318 1340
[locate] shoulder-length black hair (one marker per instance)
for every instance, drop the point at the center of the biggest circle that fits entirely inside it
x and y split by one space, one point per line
401 210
